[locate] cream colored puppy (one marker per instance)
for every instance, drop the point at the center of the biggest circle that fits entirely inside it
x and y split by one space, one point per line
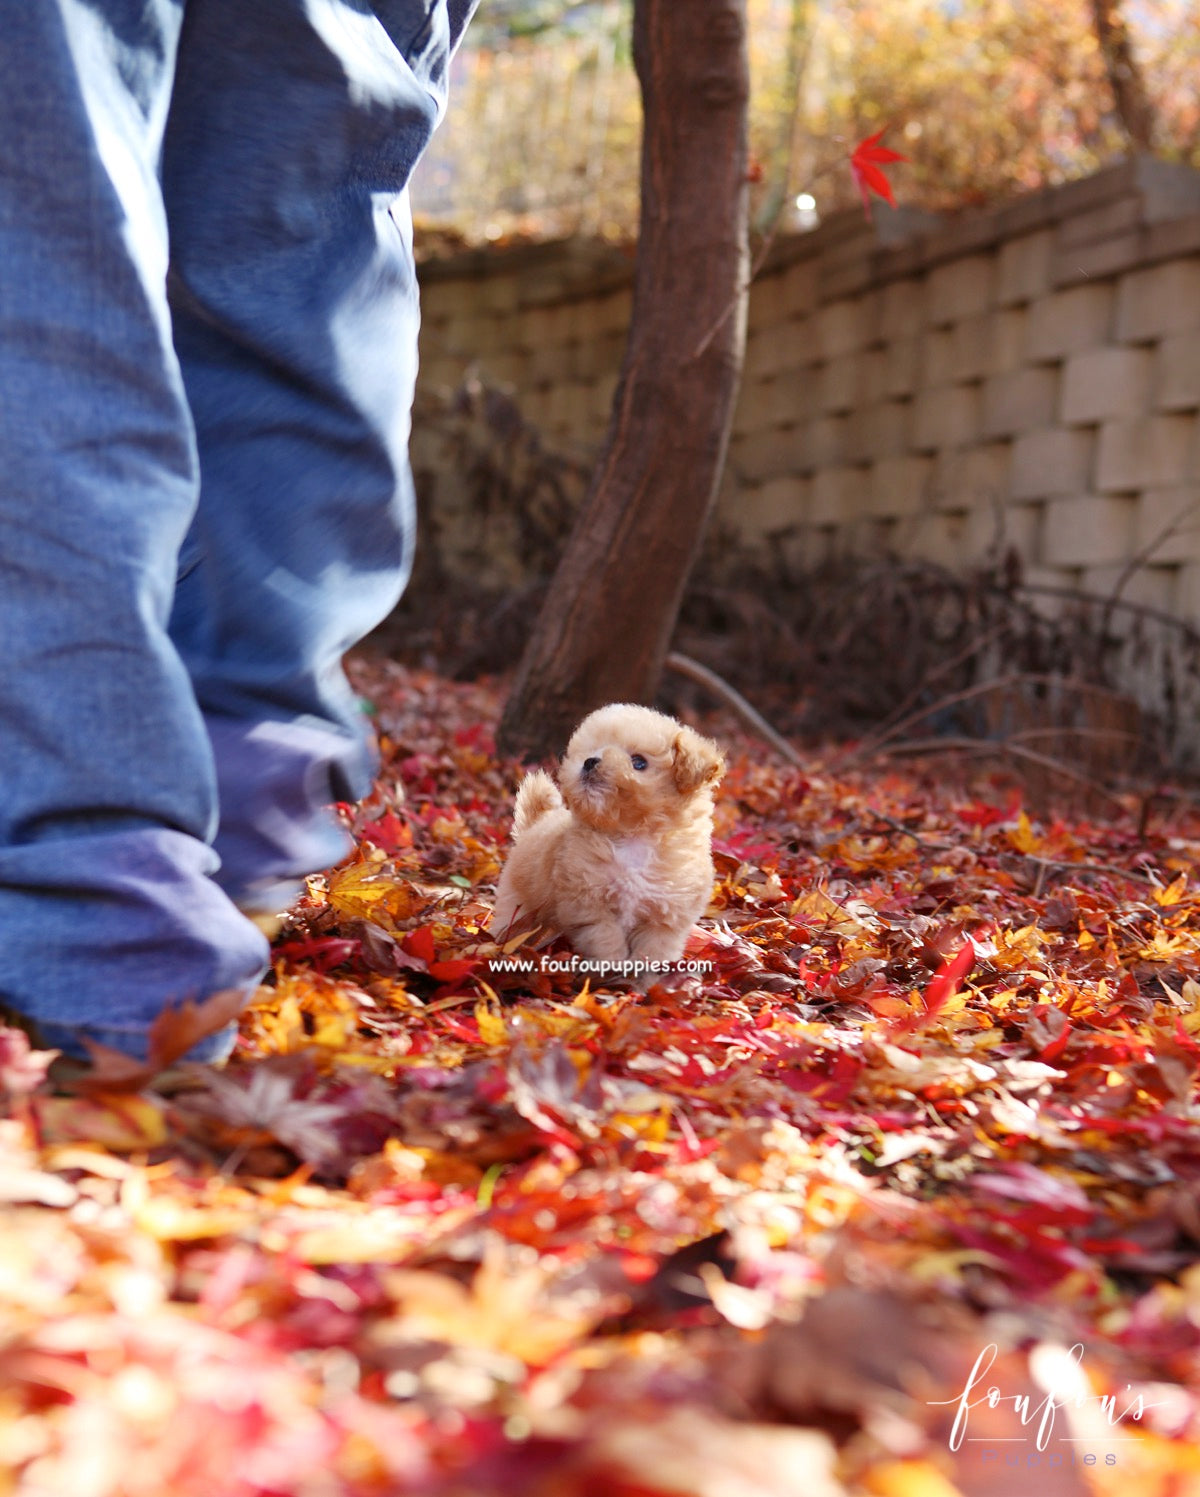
619 860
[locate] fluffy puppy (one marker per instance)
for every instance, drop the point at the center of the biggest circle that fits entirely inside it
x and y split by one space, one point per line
619 859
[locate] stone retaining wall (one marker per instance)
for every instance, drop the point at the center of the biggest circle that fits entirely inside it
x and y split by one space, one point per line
1027 377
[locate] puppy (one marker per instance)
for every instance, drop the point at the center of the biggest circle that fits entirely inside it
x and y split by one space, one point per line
619 860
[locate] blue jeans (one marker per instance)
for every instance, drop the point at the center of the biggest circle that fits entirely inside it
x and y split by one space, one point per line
208 322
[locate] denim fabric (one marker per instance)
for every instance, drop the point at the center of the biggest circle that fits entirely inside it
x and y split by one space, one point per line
208 320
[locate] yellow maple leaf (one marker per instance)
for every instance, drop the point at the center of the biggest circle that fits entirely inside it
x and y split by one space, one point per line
122 1124
492 1028
377 1236
169 1219
1165 948
908 1479
649 1127
364 890
1023 837
560 1022
1173 893
506 1308
357 889
1020 948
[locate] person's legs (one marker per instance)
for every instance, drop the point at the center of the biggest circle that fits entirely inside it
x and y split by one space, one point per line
294 127
107 909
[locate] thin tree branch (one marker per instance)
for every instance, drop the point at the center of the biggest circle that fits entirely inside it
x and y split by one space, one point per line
897 715
730 697
999 747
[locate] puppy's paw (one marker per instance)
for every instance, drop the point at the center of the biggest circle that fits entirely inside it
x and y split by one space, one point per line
657 943
601 940
661 945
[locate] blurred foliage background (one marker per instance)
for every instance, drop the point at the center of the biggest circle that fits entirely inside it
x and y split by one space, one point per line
987 98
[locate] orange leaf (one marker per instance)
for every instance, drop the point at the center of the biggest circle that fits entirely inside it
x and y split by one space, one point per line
171 1036
176 1030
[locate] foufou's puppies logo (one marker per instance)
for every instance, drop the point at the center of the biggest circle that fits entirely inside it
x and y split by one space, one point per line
1058 1374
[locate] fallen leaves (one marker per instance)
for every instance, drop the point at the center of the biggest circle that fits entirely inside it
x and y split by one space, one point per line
122 1123
171 1036
448 1228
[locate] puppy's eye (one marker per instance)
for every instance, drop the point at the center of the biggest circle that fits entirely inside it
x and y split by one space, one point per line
638 761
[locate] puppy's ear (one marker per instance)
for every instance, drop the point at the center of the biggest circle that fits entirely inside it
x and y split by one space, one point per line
696 761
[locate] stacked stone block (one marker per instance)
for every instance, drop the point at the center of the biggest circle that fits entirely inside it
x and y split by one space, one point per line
1026 378
547 322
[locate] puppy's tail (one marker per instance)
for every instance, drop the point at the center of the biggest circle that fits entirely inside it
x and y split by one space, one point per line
537 795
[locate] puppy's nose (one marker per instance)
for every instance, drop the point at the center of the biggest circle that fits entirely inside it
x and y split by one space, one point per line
590 764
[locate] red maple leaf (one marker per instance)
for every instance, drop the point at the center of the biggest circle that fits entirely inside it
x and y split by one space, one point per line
942 987
946 979
866 162
419 943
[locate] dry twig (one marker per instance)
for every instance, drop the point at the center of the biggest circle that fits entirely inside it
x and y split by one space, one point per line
730 697
1002 747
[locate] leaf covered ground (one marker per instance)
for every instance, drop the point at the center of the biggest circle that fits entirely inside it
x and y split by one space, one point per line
901 1197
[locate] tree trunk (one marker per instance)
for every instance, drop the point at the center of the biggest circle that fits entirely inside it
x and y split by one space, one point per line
1131 98
607 621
